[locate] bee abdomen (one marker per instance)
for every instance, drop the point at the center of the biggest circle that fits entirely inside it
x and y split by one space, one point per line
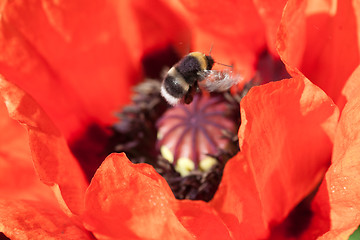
175 84
174 87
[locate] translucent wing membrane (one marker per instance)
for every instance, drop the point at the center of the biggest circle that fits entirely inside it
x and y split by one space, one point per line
218 80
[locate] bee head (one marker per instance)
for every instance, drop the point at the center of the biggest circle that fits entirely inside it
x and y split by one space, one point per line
210 62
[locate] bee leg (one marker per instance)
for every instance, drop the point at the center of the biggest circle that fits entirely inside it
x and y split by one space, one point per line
189 96
197 88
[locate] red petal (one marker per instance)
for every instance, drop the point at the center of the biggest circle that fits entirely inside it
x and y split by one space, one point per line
201 220
237 201
153 27
295 120
37 220
291 44
338 235
320 222
285 137
18 178
128 201
271 13
321 40
342 178
350 89
53 161
233 27
69 55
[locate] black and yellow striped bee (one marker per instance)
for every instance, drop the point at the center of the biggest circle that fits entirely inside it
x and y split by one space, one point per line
191 73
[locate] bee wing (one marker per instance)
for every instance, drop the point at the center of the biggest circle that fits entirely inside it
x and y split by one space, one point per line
218 80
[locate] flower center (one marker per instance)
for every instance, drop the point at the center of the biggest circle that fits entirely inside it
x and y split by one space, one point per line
188 145
189 136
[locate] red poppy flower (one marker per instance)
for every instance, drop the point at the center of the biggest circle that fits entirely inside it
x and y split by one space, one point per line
66 67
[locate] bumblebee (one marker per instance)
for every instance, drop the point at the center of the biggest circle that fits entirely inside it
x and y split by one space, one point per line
192 72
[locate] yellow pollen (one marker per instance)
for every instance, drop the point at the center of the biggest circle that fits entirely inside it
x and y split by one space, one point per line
167 154
207 163
184 166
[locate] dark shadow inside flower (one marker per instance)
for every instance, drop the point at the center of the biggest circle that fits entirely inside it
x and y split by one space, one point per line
3 237
155 62
270 69
89 147
308 216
